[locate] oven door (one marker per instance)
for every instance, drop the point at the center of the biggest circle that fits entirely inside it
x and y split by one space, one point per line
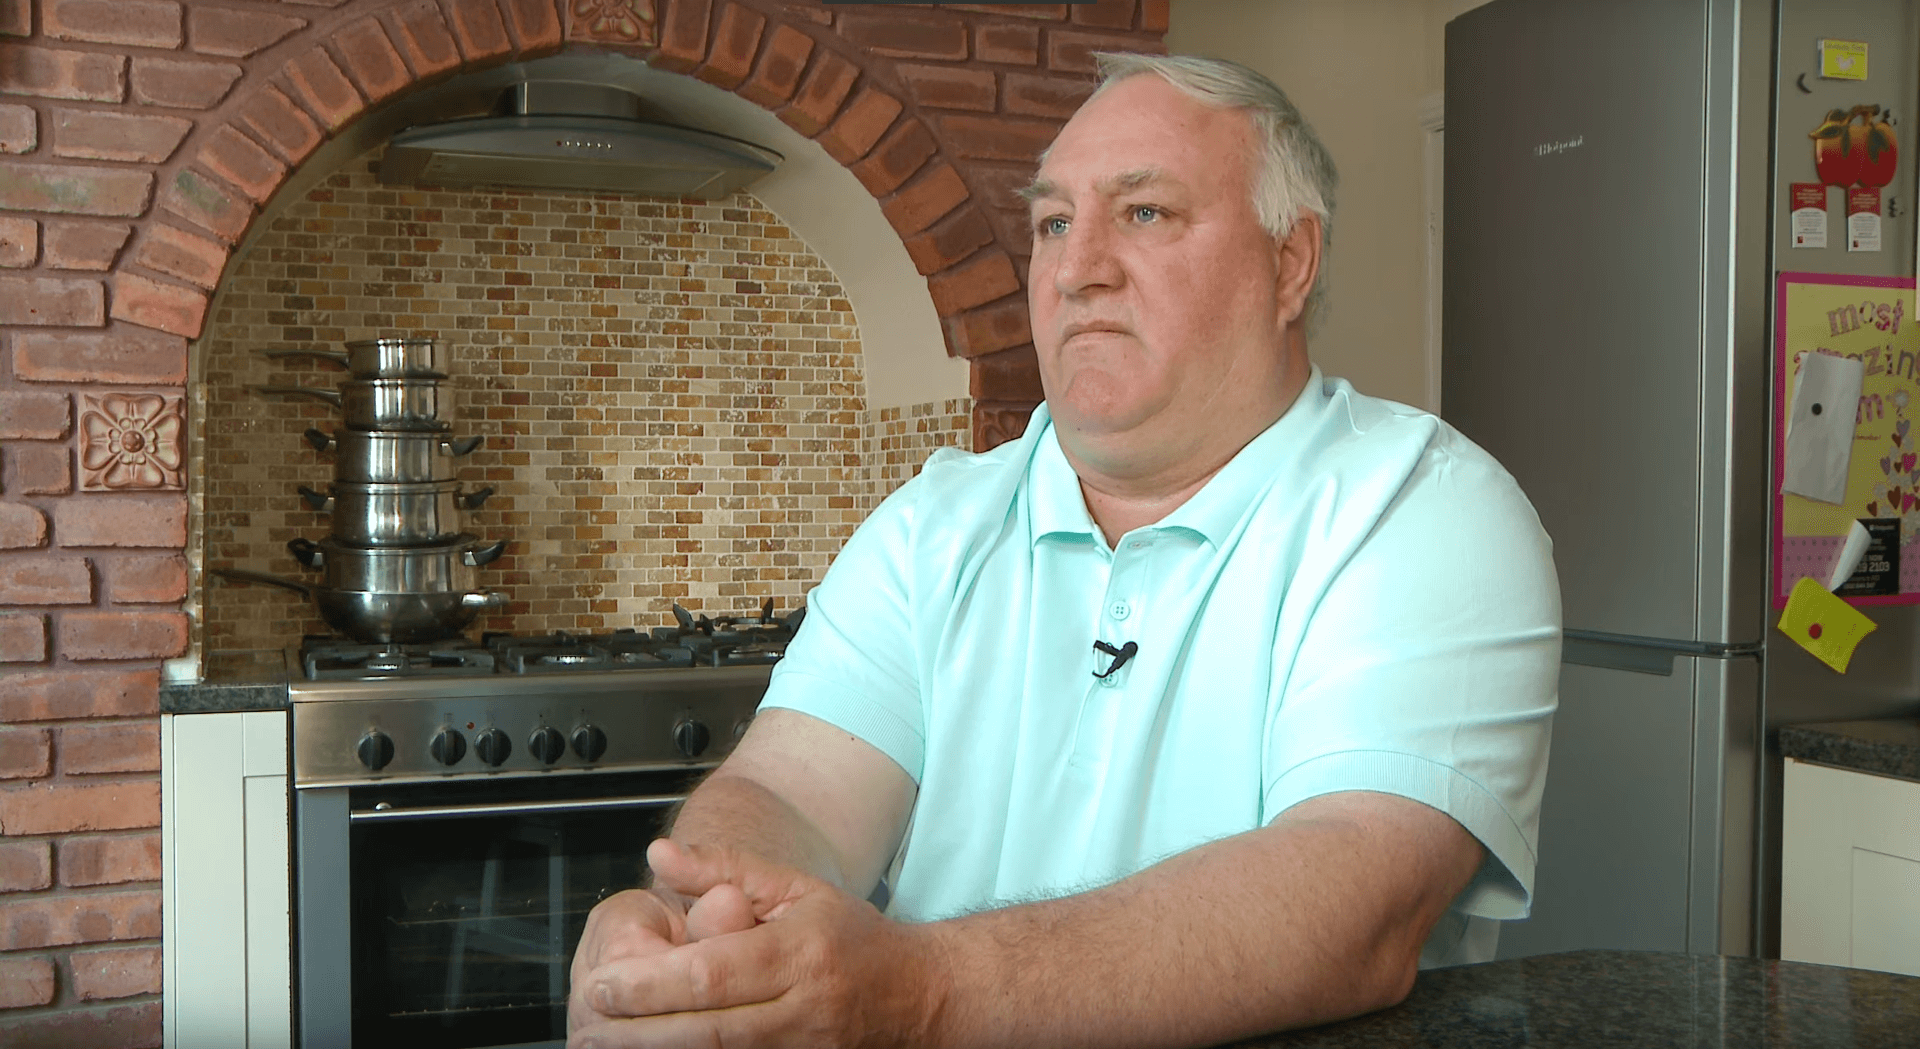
443 915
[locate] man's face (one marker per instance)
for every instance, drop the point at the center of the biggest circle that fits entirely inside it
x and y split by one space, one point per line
1157 298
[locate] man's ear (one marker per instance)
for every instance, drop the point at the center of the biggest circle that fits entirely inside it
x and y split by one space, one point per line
1299 267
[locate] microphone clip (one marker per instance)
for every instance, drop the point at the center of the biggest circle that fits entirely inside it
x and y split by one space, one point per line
1120 656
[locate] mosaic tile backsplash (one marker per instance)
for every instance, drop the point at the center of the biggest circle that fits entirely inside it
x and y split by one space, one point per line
670 394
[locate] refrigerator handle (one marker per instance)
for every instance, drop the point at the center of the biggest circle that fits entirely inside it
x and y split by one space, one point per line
1643 655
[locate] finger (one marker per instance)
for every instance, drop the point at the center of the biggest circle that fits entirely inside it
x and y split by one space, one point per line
723 909
627 924
693 870
757 1025
734 969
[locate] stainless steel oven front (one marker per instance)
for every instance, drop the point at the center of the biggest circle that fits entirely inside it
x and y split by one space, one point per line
439 894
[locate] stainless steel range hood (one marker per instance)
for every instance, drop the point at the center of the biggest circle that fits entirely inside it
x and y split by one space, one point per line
567 135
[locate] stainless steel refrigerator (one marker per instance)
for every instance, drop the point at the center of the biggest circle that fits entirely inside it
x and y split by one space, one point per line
1613 173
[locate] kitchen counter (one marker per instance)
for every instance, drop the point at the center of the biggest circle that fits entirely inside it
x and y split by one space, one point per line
235 681
1643 1000
1883 746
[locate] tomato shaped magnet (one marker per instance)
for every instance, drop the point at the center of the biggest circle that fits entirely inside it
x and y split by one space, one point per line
1832 160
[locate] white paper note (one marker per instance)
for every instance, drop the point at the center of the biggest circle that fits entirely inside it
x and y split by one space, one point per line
1851 552
1826 394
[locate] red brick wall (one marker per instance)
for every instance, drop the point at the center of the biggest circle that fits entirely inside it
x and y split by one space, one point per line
138 141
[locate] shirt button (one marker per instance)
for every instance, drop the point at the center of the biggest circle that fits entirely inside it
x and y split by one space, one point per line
1137 544
1120 610
1110 681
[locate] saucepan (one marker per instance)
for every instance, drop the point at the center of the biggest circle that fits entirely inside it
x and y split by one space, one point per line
386 618
382 404
384 358
398 514
392 456
447 566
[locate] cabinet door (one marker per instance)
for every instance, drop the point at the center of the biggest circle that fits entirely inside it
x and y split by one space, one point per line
1850 869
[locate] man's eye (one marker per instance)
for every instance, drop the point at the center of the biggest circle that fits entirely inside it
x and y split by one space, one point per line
1053 226
1145 213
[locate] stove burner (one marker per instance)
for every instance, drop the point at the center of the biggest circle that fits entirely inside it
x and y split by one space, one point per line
332 658
570 658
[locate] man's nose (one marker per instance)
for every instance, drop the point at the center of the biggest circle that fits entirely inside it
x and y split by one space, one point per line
1086 259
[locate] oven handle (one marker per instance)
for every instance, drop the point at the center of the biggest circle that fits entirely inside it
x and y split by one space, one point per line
514 808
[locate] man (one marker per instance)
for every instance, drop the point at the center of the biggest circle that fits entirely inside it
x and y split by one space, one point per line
1198 712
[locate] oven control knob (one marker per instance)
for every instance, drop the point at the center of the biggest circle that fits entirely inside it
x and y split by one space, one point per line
589 742
375 749
547 744
448 747
691 737
493 746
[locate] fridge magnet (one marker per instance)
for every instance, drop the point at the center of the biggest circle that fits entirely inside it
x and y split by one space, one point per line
1846 392
1855 147
1809 214
1824 624
1843 59
1863 219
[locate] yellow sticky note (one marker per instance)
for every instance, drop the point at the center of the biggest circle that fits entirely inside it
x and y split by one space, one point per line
1843 60
1823 624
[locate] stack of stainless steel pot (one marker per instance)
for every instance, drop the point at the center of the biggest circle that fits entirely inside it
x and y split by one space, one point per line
397 566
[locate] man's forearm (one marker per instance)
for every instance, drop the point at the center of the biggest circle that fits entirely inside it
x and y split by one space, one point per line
736 812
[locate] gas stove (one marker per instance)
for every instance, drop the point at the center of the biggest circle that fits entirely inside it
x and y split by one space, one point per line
562 704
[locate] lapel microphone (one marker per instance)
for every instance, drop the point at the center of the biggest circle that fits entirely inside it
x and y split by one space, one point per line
1120 655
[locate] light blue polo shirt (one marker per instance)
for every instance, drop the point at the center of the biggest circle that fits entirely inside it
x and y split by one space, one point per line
1361 599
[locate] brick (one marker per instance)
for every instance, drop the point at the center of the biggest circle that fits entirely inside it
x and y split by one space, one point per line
87 750
997 422
1045 96
535 24
27 415
736 40
424 40
182 83
64 301
39 469
924 200
370 60
950 87
54 921
1044 12
97 135
181 254
19 242
478 28
109 859
60 695
115 972
139 23
84 76
999 186
827 83
1071 51
28 580
243 162
983 332
859 126
84 245
73 189
902 152
1154 15
120 353
285 127
19 129
201 201
118 1027
21 526
902 34
121 520
236 33
997 138
949 240
683 35
1014 45
23 639
25 982
144 579
89 636
774 80
25 753
168 307
971 284
16 18
1105 14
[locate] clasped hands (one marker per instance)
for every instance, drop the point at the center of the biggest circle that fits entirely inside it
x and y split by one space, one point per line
730 950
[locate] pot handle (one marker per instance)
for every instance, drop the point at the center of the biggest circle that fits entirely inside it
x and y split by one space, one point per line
318 500
463 445
476 556
337 358
307 552
330 396
483 599
261 577
472 500
320 439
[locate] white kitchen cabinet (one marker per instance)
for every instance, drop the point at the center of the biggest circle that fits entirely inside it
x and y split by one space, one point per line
1850 869
225 931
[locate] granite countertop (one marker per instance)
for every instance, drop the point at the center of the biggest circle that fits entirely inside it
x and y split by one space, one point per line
234 681
1884 746
1638 999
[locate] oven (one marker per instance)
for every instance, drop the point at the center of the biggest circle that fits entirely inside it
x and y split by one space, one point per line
453 827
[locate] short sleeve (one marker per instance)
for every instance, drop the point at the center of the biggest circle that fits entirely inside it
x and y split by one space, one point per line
852 662
1429 668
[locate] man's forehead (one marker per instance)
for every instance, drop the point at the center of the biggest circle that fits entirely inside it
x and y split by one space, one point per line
1107 185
